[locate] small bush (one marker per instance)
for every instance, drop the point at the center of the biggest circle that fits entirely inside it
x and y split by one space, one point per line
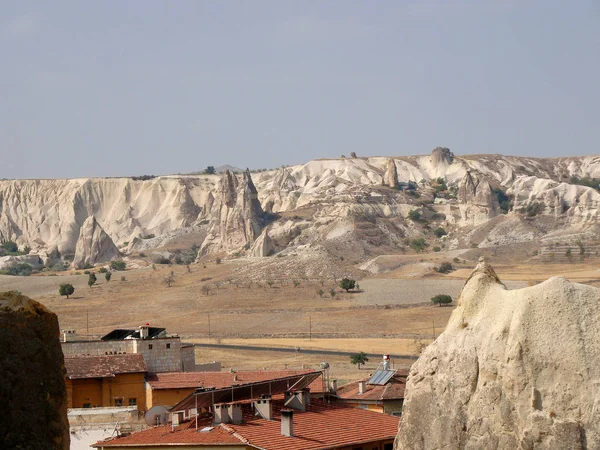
58 267
149 236
159 259
217 260
436 249
320 292
445 267
118 265
103 270
86 272
456 260
414 215
123 278
439 232
418 245
107 276
66 289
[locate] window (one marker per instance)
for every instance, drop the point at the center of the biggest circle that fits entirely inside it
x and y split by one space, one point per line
149 346
168 345
87 405
133 401
118 401
388 446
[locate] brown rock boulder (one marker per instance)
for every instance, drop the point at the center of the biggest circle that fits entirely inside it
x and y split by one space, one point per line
33 398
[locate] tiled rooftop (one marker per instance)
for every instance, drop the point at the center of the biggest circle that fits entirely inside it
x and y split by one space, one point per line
86 366
322 426
392 390
218 380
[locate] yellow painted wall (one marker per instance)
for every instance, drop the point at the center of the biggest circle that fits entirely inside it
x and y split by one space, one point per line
103 391
167 397
88 390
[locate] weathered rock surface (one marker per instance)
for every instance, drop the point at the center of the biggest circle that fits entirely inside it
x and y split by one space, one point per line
390 178
237 217
323 198
514 369
441 155
263 246
33 398
33 260
94 245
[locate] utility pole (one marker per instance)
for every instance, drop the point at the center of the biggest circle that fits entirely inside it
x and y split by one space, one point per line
309 328
208 326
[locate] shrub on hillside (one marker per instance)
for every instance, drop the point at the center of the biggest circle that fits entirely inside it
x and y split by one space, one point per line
441 299
118 265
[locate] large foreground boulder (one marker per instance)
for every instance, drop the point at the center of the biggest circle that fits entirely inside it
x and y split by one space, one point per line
514 369
33 398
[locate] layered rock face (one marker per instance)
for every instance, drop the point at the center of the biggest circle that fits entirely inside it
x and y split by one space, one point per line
94 245
514 369
236 218
32 388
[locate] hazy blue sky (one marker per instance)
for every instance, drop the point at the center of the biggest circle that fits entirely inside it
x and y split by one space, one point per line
104 88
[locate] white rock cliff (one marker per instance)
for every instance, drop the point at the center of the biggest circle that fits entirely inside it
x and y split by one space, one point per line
514 369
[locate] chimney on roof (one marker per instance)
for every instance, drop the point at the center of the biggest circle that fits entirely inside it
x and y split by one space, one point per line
295 400
287 422
235 413
264 407
177 417
333 387
221 413
144 332
362 387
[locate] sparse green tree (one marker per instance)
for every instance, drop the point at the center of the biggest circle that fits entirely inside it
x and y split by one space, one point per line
441 299
359 359
332 292
107 276
347 284
445 267
320 292
169 279
414 215
296 283
210 170
92 279
66 289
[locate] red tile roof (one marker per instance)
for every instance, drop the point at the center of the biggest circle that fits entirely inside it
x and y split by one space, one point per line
218 380
86 366
322 426
392 390
183 434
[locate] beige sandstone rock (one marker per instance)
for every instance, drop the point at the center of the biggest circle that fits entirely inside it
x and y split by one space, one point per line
94 245
236 218
514 369
263 246
33 398
390 178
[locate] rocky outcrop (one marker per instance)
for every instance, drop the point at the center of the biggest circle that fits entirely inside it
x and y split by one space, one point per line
263 246
33 260
236 218
477 191
514 369
32 371
441 155
390 178
94 245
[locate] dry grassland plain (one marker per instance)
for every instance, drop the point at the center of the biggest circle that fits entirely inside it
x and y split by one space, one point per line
391 314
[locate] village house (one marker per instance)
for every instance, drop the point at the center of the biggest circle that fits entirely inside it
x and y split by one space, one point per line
289 421
105 381
383 395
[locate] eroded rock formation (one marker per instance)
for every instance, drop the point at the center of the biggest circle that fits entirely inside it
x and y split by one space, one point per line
514 369
33 398
441 155
390 178
263 246
94 245
236 218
